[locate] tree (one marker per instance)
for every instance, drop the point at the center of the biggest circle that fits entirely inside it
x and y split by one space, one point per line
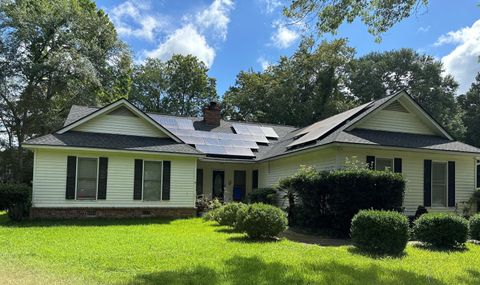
179 86
54 54
377 15
298 90
470 104
377 75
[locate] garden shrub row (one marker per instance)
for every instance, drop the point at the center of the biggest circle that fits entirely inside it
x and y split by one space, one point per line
15 198
256 220
387 232
330 199
264 195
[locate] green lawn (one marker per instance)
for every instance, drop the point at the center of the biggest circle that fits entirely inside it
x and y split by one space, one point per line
194 252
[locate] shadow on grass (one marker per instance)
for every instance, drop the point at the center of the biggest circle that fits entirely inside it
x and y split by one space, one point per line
246 239
357 251
227 231
5 222
254 270
429 247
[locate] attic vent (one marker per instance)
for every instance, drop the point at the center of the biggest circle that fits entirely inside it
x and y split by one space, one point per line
122 111
397 107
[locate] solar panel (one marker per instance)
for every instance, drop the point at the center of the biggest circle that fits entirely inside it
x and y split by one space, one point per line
269 132
255 130
241 129
184 124
315 131
167 122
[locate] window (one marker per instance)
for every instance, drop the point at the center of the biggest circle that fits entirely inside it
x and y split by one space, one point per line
87 178
384 164
439 184
152 180
199 181
478 174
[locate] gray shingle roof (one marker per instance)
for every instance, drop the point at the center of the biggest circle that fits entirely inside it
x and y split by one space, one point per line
112 141
287 134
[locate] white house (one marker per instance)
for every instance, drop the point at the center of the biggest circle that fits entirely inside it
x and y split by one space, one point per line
118 161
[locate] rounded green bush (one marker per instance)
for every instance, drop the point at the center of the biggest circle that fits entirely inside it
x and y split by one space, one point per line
440 229
475 227
227 214
381 232
261 220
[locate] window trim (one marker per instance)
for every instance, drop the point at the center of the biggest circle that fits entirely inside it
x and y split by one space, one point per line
76 178
446 184
385 157
143 179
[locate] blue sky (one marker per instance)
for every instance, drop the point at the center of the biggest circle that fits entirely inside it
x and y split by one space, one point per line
230 36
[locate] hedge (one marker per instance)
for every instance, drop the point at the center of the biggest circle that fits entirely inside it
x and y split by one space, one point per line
261 220
380 232
227 214
441 229
264 195
15 199
475 227
332 198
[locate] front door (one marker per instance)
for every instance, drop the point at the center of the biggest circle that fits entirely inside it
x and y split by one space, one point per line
218 183
239 185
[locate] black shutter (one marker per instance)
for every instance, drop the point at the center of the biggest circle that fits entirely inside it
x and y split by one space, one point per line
371 162
255 179
427 183
166 180
397 165
71 177
137 180
102 178
451 183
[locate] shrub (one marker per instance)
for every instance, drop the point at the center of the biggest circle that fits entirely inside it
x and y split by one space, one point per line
212 215
381 232
332 198
475 227
227 214
204 205
442 230
264 195
261 220
16 199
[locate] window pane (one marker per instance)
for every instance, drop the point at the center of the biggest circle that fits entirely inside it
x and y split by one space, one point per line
439 184
384 164
152 181
87 178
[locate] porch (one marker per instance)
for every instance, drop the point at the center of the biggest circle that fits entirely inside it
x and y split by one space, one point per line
227 181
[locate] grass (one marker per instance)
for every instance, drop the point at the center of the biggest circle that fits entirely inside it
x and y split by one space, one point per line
195 252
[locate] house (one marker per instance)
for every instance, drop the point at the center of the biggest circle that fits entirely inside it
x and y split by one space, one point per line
118 161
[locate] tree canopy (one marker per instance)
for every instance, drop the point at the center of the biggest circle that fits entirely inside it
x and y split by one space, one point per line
54 54
470 104
178 86
298 90
328 15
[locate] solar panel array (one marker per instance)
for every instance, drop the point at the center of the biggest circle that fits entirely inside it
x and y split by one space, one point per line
239 144
315 131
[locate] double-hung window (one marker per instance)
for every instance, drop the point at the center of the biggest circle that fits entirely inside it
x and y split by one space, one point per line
152 180
87 177
439 184
384 164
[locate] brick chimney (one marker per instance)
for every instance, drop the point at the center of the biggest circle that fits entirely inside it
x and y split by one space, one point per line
211 114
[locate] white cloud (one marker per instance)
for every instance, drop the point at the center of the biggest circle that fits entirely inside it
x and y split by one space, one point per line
215 17
263 62
132 19
269 6
186 40
462 61
284 37
424 29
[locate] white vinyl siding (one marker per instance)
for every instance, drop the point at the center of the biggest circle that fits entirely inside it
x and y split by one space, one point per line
50 171
393 121
123 125
412 170
270 172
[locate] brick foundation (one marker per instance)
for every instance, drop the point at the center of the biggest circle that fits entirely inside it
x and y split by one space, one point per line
83 213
